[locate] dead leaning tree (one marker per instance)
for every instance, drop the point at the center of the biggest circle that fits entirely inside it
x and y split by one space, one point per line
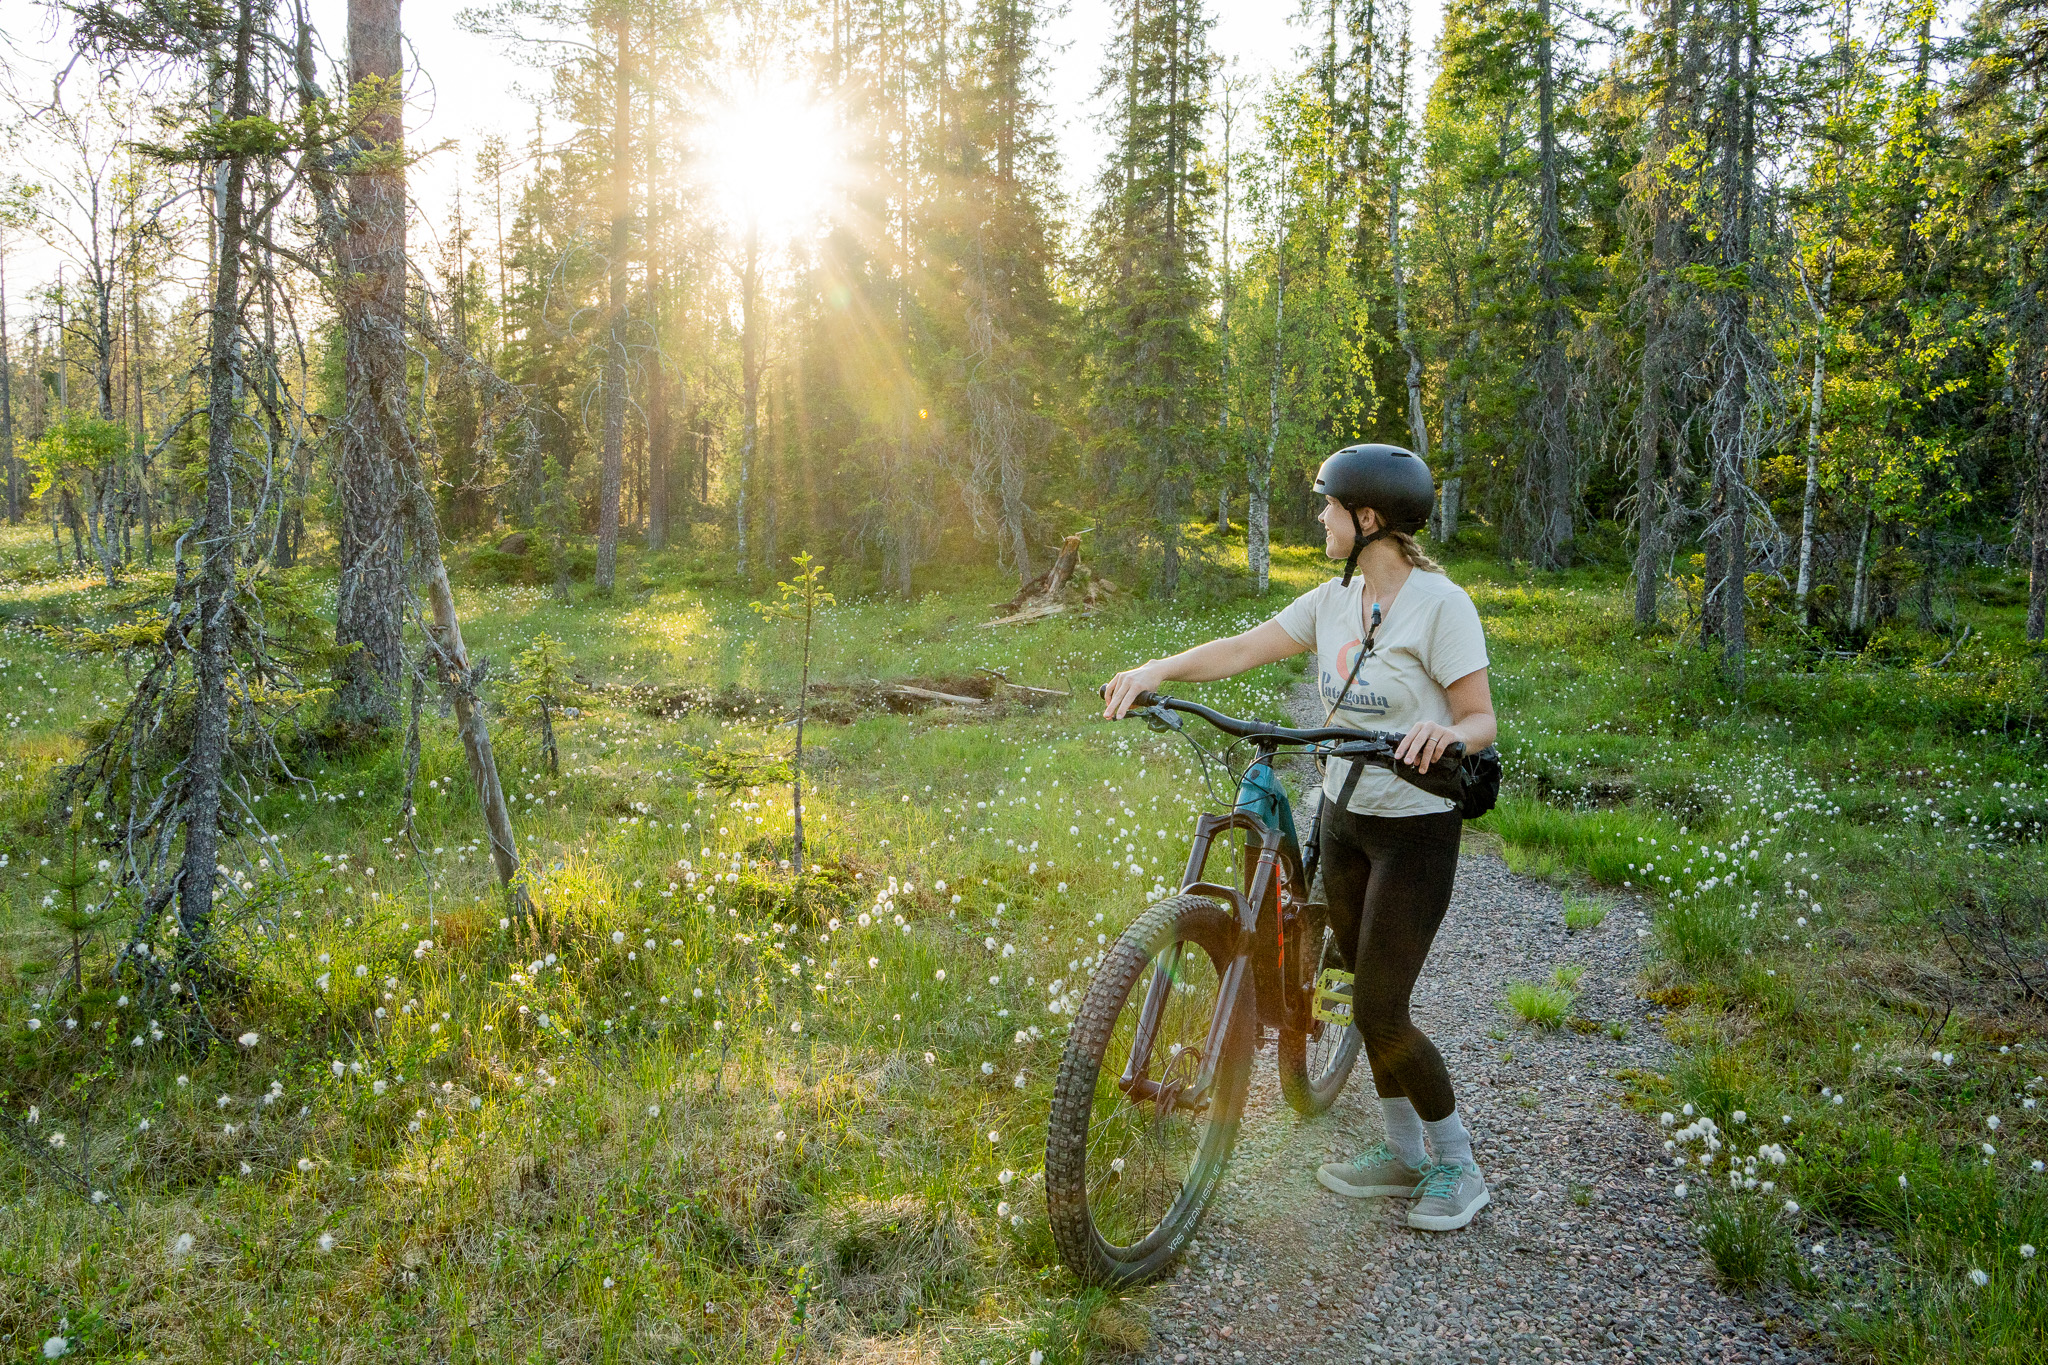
379 397
167 756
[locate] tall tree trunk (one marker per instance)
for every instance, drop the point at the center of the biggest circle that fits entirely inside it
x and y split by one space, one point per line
2034 382
1551 483
1809 505
1258 550
7 405
1418 427
207 755
1739 345
1451 494
615 349
370 593
1859 592
1650 411
1809 502
142 491
659 441
750 379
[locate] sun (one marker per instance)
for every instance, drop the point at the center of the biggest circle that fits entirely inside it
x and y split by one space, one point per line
770 156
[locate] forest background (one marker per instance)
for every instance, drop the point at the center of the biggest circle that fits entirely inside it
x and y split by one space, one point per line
1721 325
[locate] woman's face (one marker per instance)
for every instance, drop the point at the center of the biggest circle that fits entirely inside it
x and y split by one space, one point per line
1336 522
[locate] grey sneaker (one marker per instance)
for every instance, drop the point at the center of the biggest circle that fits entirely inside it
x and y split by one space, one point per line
1446 1198
1378 1171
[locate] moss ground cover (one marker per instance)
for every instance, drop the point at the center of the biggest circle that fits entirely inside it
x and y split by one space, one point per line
698 1111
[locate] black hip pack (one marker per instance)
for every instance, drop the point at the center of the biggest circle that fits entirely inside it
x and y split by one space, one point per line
1470 780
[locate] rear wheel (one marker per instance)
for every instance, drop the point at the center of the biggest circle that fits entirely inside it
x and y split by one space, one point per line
1130 1170
1314 1062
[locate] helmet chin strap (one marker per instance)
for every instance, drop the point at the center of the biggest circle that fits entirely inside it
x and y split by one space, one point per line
1359 540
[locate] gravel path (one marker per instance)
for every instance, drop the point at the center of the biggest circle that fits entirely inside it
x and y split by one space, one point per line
1584 1255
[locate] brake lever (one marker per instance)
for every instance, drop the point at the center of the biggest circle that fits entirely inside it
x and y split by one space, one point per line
1159 718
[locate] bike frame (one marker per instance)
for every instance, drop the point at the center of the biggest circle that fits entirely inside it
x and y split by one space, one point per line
1262 811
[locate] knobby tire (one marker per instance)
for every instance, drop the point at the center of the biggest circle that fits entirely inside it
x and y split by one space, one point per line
1200 925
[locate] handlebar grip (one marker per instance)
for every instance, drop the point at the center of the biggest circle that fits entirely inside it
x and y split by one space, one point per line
1142 699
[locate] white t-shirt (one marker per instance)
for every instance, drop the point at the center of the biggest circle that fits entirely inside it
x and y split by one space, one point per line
1429 638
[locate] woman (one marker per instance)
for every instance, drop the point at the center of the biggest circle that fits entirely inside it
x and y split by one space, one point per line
1402 650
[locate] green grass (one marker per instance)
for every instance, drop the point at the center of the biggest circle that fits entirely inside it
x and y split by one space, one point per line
1546 1007
1582 914
811 1189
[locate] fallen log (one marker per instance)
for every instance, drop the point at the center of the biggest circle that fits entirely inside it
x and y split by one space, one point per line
926 694
1036 613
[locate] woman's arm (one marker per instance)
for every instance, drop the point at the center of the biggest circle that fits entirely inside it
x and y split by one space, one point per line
1262 644
1472 722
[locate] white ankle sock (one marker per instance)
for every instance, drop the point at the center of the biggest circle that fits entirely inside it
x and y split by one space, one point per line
1448 1140
1404 1131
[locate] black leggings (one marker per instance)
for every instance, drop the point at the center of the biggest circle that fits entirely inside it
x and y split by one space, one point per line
1388 882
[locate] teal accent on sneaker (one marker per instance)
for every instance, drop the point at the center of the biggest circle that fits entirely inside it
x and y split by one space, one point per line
1375 1172
1446 1198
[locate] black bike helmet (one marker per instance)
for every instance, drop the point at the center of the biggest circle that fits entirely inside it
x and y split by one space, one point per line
1391 481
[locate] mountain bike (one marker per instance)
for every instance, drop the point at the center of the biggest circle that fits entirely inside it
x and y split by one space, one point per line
1152 1083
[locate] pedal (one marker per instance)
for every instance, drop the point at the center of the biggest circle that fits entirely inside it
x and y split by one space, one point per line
1333 996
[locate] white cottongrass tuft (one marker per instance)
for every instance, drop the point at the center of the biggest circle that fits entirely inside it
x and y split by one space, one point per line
1791 1206
1979 1278
1991 1122
654 1111
326 1242
250 1039
181 1246
55 1346
2026 1251
305 1165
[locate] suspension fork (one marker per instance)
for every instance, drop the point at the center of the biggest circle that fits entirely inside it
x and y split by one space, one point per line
1244 906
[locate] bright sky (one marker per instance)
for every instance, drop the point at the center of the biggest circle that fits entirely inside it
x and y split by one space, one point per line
464 87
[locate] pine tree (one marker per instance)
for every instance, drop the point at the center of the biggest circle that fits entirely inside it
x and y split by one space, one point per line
1153 391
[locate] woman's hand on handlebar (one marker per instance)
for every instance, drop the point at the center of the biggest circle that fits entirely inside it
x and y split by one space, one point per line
1424 744
1122 692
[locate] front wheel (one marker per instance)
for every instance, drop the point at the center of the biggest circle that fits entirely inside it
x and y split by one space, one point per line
1134 1150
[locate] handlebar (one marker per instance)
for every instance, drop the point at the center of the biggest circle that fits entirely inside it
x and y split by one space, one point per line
1377 747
